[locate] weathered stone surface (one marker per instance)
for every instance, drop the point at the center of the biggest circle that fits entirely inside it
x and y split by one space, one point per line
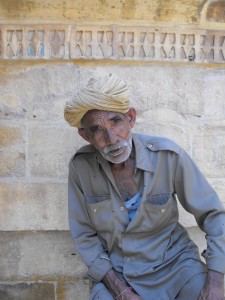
22 291
45 256
185 218
50 150
179 134
209 149
198 237
71 291
218 185
215 12
12 152
154 11
36 92
33 206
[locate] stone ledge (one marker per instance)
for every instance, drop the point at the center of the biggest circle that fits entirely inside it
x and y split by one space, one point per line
138 43
42 290
39 256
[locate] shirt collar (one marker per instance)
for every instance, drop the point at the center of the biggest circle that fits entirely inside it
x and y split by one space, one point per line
142 157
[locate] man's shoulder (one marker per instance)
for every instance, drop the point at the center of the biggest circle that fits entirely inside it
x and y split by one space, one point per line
84 151
158 143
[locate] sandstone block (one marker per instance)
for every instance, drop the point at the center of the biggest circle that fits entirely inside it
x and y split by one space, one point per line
50 150
22 291
209 150
213 94
185 218
72 10
218 185
71 291
12 149
198 237
32 256
33 206
36 92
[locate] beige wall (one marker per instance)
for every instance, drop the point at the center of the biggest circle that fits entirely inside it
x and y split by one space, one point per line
178 94
155 11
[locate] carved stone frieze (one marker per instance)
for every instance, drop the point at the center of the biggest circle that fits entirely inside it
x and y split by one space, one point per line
139 43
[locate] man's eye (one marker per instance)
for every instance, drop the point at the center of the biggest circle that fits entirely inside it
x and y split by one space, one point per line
95 130
116 120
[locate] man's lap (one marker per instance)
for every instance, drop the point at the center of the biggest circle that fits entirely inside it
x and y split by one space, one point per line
190 290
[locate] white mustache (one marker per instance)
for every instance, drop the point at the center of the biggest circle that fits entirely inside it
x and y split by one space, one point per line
116 146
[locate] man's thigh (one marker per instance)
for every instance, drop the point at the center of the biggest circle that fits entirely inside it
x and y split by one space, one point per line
100 292
191 290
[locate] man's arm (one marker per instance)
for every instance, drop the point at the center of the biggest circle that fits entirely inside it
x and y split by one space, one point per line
119 289
85 238
214 287
198 198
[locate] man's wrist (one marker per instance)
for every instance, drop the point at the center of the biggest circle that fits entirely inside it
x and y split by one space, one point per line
126 291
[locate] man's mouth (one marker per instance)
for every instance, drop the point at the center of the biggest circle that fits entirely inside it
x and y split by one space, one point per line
115 152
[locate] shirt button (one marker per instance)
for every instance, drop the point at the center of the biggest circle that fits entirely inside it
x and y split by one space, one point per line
94 210
128 259
163 210
122 208
150 146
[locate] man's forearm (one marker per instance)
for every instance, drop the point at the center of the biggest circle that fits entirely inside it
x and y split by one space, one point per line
215 278
114 284
214 287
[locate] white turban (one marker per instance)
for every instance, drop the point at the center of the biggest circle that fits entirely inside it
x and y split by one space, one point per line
107 93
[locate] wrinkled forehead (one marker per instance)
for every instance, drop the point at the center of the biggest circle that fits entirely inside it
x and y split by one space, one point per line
95 117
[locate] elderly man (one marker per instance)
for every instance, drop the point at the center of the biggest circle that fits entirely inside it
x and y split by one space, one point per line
123 216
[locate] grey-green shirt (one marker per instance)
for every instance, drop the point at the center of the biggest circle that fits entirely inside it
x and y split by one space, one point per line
153 252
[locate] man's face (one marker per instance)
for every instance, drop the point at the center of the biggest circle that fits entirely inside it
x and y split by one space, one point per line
110 133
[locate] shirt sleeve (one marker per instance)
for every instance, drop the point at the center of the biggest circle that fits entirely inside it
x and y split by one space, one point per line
85 238
198 198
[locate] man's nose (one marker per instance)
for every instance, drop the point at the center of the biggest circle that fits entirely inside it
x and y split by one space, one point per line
110 136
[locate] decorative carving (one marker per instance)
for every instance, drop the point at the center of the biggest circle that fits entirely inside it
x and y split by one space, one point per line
35 43
142 43
89 43
14 45
57 43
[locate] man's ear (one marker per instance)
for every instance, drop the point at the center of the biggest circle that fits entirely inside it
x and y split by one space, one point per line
83 133
131 114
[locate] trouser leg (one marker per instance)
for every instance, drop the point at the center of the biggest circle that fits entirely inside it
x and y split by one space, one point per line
100 292
191 290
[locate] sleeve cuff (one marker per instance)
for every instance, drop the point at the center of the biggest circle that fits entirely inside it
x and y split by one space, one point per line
99 268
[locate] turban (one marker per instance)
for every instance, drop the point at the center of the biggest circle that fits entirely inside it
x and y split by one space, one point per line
108 93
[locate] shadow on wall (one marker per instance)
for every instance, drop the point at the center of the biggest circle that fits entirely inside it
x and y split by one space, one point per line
213 11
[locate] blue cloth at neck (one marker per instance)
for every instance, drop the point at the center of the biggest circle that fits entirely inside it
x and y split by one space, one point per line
132 205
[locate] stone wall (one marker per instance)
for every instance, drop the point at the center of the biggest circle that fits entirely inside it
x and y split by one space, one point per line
172 55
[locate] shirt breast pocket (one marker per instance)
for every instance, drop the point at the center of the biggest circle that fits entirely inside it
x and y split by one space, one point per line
100 212
161 210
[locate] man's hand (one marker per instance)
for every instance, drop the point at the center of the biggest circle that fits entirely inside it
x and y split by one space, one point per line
214 287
